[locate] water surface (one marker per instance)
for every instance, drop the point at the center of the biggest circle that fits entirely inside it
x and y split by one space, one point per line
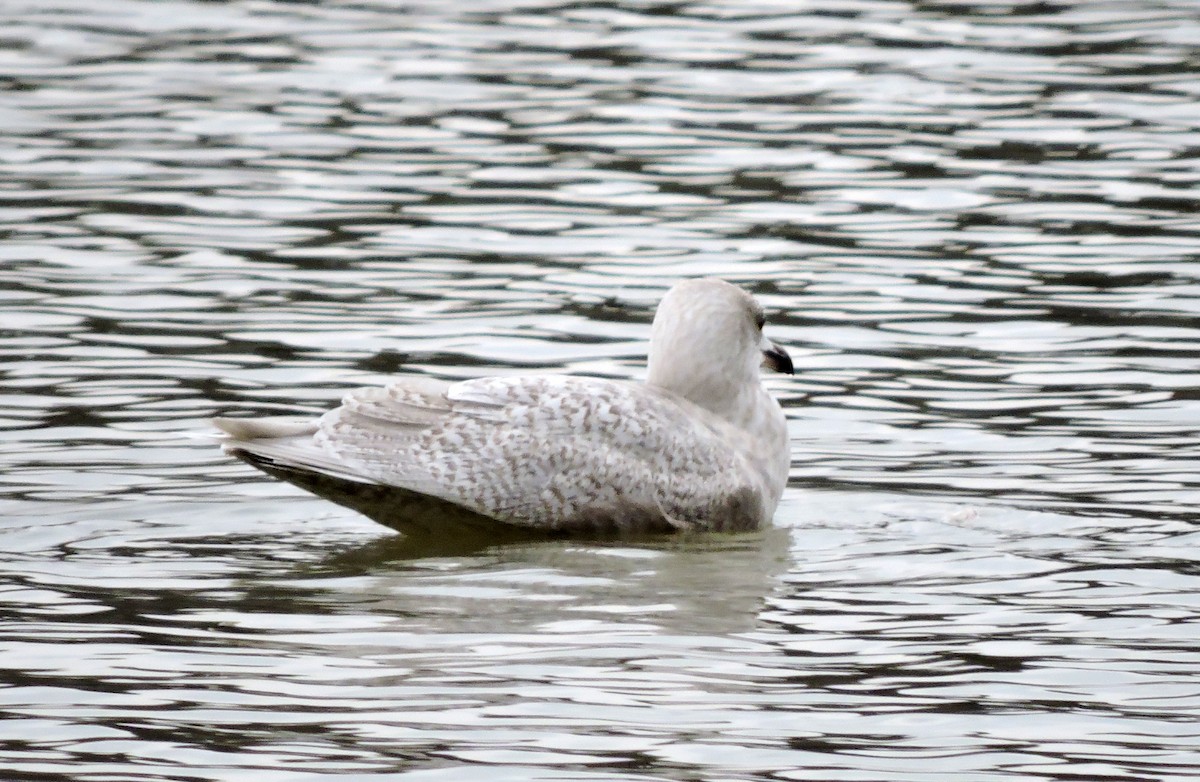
974 225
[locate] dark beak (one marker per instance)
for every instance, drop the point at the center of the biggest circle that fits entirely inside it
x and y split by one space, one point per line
778 359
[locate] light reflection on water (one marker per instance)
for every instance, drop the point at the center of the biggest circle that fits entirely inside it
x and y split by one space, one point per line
974 224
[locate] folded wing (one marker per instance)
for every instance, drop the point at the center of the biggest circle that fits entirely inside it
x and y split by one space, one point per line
550 452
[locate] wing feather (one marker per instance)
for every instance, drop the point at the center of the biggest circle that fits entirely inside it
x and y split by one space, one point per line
552 451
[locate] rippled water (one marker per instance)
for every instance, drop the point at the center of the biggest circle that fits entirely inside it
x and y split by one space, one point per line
976 224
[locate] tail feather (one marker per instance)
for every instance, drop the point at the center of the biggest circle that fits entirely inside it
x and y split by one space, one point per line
262 428
286 449
286 443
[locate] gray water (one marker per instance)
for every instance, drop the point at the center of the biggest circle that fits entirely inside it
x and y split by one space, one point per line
975 225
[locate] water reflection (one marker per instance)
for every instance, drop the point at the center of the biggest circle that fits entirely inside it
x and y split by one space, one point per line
810 649
359 647
975 226
693 584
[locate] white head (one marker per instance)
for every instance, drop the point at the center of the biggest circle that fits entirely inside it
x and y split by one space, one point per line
707 344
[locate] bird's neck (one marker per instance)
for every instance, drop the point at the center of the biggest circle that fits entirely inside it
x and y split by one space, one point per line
733 399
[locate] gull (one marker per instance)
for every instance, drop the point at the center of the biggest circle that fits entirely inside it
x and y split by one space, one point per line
700 445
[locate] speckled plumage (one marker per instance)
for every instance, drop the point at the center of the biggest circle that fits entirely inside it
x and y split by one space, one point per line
700 445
